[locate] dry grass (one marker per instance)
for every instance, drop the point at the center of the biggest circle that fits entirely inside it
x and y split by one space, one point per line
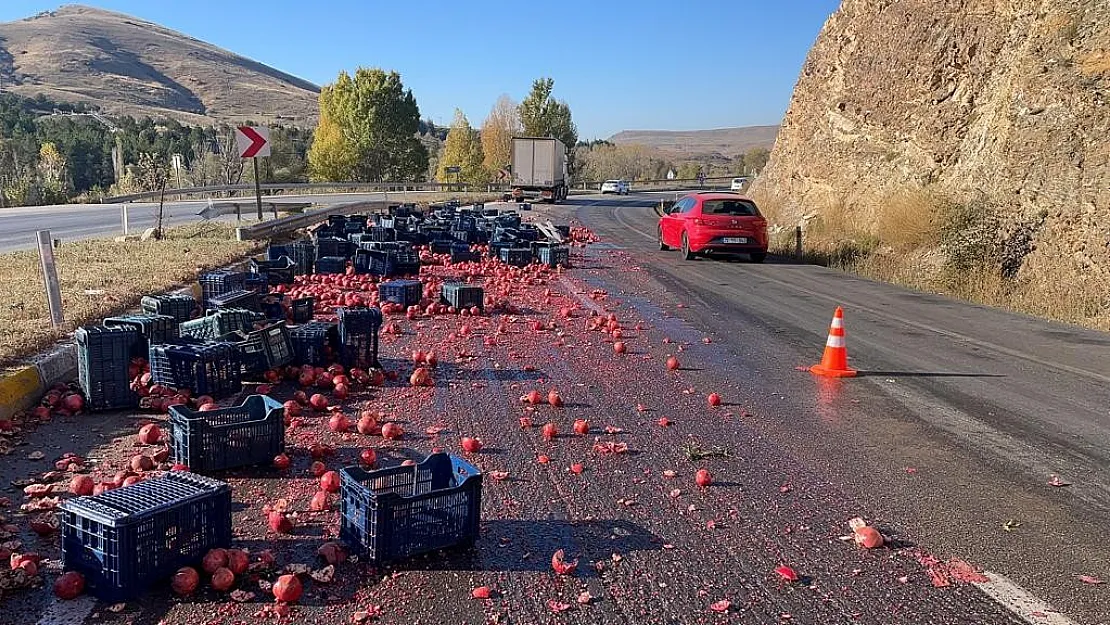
100 278
910 218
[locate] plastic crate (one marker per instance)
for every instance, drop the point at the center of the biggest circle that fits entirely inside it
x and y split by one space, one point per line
440 246
304 256
151 328
553 255
379 233
275 252
361 260
400 512
276 345
213 369
278 271
404 292
249 434
463 254
272 308
462 295
103 357
218 322
467 223
127 539
463 236
219 283
252 359
334 247
180 307
314 342
516 256
331 264
358 337
337 220
243 300
303 309
402 263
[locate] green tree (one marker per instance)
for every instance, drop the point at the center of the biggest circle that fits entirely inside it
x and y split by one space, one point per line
541 115
755 159
371 130
498 130
463 150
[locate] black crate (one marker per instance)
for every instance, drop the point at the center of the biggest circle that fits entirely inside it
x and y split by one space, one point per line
274 252
360 220
314 343
553 255
465 223
217 283
257 282
441 246
331 264
334 247
151 328
378 233
462 295
103 357
272 307
242 300
304 256
303 309
180 307
276 344
361 260
463 236
219 322
213 369
251 433
402 263
463 254
252 358
278 271
337 220
352 227
404 292
358 337
495 247
127 539
404 511
517 256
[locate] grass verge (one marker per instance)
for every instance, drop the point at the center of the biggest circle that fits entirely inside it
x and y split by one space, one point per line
100 277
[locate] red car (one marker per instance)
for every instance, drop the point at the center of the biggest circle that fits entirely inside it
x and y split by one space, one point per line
714 222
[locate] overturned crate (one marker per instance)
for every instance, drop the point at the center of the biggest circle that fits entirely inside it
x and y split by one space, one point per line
358 337
395 513
206 369
251 433
404 292
460 296
315 343
103 357
128 539
152 329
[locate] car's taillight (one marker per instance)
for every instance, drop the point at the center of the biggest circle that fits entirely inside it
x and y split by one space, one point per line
700 222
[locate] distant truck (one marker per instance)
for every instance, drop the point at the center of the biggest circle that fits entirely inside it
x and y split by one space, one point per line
539 169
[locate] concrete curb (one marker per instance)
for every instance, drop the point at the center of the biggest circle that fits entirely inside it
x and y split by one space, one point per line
23 387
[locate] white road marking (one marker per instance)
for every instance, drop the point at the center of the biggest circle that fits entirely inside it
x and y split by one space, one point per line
1020 601
68 612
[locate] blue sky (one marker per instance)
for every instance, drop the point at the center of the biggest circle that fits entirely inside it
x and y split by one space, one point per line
621 65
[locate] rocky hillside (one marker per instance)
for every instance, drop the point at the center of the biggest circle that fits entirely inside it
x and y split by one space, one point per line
722 141
999 102
126 65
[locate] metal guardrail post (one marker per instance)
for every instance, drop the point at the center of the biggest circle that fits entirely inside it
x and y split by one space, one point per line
797 242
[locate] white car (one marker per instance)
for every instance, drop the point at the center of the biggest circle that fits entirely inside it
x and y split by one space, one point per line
738 184
619 187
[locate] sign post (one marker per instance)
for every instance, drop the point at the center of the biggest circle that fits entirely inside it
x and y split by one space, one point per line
50 277
254 142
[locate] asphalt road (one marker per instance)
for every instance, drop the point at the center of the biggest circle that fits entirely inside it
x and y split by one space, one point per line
82 221
964 414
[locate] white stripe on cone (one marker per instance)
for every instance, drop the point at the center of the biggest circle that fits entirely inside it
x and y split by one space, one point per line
838 322
835 341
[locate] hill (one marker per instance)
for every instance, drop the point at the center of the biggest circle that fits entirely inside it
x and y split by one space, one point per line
125 65
723 141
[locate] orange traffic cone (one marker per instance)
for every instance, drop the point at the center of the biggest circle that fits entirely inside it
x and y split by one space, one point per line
834 363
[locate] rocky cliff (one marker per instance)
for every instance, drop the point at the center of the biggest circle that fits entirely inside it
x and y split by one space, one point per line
1004 100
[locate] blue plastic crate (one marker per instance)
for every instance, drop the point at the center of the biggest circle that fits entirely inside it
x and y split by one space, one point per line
212 369
249 434
128 539
151 328
440 246
462 295
553 255
243 300
463 254
516 256
180 307
358 337
252 359
303 309
314 343
216 283
404 292
103 357
400 512
331 264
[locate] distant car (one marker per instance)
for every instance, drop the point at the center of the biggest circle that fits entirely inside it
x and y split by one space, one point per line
714 222
619 187
738 184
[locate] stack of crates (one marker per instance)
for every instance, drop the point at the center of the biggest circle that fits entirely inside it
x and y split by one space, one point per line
152 329
217 283
251 433
180 307
462 295
358 337
103 357
404 292
128 539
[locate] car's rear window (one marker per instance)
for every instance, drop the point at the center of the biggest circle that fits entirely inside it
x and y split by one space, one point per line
743 208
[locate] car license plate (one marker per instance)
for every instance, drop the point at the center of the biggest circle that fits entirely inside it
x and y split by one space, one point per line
734 240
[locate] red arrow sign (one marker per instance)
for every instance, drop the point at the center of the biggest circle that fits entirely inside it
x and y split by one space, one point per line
252 142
